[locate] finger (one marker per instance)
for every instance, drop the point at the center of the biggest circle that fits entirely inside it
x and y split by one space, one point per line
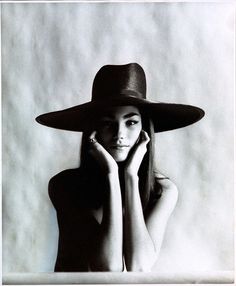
144 137
141 147
94 144
92 137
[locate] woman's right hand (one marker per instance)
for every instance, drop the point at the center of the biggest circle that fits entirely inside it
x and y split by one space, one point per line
105 160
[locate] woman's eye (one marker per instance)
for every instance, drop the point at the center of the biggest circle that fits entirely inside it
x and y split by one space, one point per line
132 122
105 123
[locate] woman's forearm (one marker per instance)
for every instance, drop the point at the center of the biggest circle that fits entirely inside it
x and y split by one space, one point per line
108 245
140 252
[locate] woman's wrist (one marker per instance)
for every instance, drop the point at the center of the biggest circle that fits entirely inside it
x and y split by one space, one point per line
130 173
131 176
113 174
113 171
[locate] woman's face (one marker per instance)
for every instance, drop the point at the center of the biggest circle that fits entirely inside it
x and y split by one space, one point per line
118 130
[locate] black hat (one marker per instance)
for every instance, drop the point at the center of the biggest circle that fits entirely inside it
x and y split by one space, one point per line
122 85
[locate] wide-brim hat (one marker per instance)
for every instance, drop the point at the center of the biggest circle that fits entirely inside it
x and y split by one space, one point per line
122 85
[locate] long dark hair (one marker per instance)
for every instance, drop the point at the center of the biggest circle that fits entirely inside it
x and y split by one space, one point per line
149 187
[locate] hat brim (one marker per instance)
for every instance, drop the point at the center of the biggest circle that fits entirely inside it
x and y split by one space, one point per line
165 116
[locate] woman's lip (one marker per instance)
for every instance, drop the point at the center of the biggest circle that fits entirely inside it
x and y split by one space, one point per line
119 146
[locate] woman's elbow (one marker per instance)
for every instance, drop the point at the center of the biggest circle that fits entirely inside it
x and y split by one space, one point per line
114 268
142 265
107 267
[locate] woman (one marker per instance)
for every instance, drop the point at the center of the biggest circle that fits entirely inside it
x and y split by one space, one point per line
113 210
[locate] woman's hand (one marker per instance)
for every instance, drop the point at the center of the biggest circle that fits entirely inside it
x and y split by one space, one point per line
105 160
135 160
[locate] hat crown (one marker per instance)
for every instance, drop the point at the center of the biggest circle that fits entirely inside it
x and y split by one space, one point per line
113 81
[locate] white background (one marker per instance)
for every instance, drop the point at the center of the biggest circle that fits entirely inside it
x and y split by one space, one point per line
50 54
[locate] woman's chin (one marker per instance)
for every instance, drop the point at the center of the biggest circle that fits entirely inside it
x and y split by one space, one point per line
121 157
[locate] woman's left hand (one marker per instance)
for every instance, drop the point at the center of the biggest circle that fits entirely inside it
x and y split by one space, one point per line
135 160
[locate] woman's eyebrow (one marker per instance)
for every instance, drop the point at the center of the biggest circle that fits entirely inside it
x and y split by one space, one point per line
130 115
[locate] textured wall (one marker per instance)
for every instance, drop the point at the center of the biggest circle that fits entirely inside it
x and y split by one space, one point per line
50 54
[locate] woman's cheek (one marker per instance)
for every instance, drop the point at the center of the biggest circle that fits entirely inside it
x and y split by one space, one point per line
137 137
102 137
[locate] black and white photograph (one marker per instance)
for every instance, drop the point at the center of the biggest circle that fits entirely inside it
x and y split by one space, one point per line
118 142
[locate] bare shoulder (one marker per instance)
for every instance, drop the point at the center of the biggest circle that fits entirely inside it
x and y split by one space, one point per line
158 216
67 190
64 176
58 182
169 190
166 183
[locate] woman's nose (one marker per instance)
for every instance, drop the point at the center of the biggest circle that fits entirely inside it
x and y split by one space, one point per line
120 131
